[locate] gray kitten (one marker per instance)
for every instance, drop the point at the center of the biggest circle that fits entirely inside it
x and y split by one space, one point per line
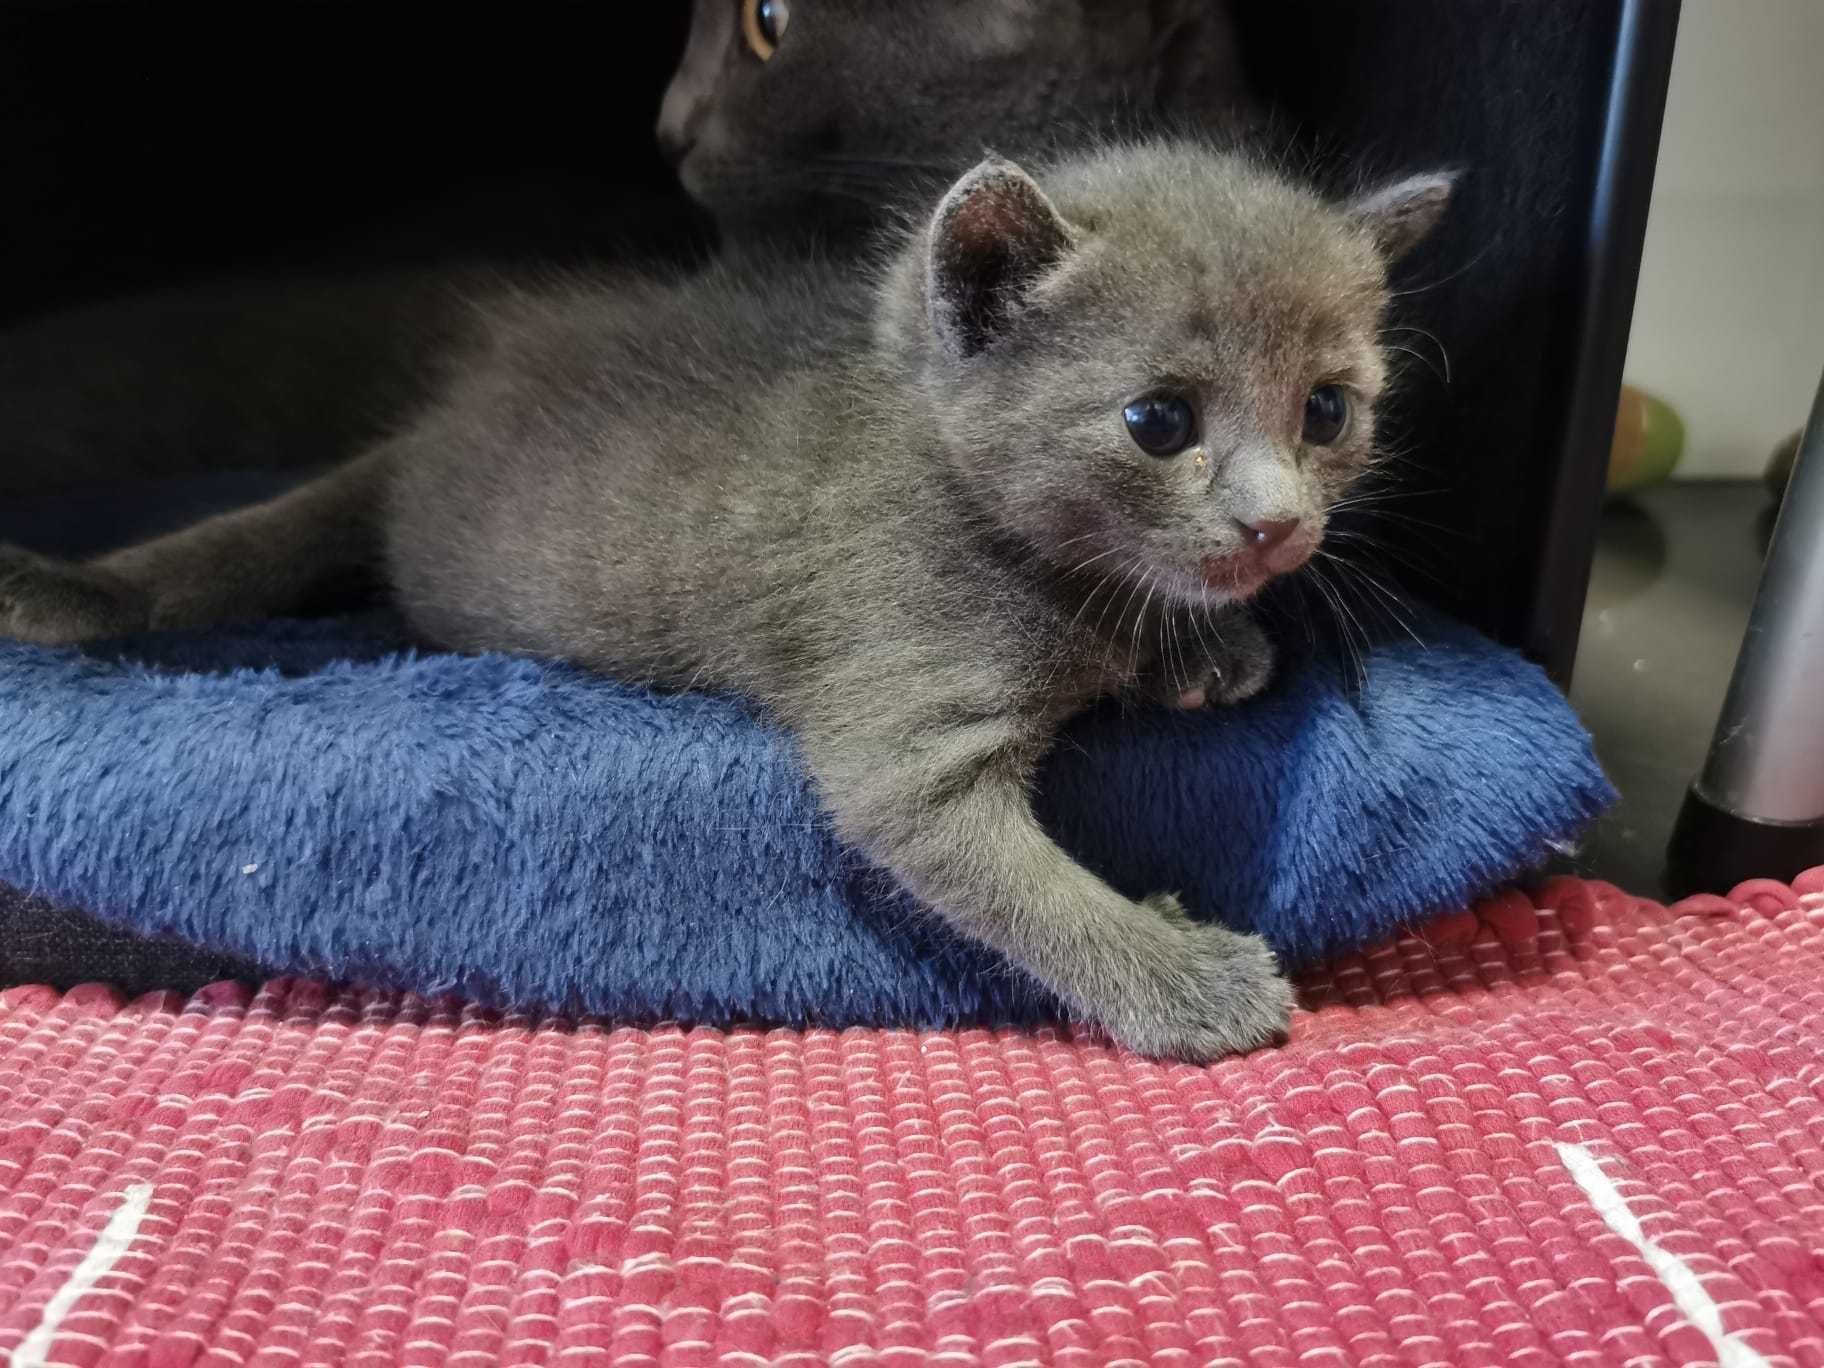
920 516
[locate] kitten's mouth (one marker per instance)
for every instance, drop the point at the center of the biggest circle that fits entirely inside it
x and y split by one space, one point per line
1237 574
1242 574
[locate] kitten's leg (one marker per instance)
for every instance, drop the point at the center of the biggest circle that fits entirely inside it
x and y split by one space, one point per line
51 602
956 826
252 562
1214 662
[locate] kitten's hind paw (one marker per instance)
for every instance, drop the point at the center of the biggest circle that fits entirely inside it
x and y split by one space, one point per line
1218 992
53 603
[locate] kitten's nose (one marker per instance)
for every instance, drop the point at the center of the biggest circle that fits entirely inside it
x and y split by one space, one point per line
1268 533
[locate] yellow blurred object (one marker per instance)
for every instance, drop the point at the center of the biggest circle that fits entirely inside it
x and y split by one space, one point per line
1649 440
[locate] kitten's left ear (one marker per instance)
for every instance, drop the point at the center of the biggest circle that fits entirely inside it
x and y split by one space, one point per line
1398 216
993 235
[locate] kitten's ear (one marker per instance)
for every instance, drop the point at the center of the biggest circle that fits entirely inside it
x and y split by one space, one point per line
992 236
1398 216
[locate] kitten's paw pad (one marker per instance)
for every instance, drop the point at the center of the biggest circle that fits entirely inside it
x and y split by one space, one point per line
53 603
1219 993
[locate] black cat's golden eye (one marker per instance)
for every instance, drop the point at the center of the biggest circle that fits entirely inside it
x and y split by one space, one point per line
763 23
1160 424
1326 414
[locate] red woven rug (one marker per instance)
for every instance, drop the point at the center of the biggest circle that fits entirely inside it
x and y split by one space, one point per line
1578 1128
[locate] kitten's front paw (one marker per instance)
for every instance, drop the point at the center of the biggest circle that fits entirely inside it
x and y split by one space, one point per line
1213 992
1242 668
53 603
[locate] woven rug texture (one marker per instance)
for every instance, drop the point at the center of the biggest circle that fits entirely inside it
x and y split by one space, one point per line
1567 1127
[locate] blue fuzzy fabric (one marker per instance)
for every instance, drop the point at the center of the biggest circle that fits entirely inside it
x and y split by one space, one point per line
315 798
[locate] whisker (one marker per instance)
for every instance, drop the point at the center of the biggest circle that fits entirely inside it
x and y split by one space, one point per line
1432 337
1464 269
1391 602
1181 675
1347 623
1139 625
1195 617
1108 577
1380 549
1084 565
1428 363
1113 641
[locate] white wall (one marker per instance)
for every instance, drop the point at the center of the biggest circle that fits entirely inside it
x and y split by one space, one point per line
1729 321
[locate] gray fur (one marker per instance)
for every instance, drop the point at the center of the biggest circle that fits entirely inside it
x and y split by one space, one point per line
918 548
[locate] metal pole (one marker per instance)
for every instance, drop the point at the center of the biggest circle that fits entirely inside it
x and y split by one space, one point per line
1757 809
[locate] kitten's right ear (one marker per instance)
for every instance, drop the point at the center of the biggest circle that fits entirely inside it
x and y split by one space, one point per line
992 236
1398 216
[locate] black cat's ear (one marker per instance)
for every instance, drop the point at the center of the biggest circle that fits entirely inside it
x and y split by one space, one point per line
993 235
1398 216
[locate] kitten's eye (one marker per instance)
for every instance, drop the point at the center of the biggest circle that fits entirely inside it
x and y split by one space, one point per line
763 22
1160 424
1326 414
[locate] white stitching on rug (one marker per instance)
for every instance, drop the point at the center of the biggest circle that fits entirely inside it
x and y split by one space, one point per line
113 1242
1689 1294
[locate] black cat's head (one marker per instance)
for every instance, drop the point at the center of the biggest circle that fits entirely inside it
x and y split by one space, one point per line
1155 360
834 109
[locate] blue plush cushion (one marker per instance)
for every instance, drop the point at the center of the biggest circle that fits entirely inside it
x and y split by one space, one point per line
316 798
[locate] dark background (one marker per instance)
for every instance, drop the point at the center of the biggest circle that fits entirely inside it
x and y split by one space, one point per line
152 145
149 144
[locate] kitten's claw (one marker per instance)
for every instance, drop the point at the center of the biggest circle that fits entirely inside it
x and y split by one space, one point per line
54 603
1213 992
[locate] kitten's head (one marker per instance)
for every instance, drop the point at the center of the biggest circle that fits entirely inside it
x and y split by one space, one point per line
833 108
1161 366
